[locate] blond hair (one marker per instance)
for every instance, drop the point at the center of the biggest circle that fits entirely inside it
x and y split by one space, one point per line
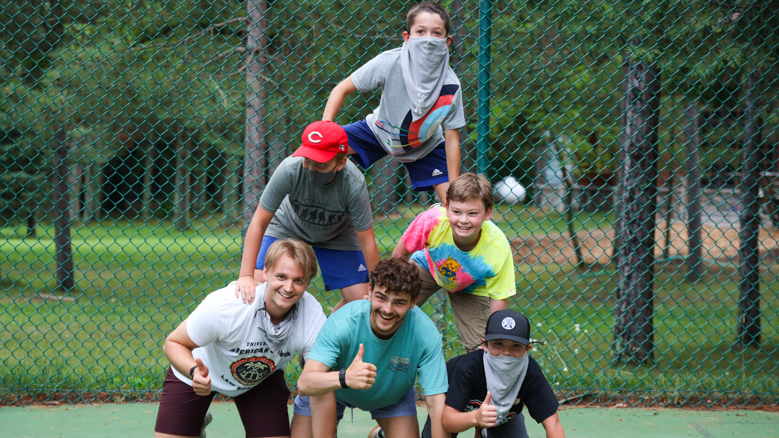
298 251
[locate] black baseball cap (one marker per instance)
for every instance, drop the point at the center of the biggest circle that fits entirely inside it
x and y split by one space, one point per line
508 324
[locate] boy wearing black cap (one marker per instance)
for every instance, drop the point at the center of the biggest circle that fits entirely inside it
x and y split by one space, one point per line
488 388
319 197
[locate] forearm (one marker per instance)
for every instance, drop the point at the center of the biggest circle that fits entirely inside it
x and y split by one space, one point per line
454 421
316 384
369 248
435 408
180 356
251 246
401 250
452 147
496 305
553 427
323 416
336 99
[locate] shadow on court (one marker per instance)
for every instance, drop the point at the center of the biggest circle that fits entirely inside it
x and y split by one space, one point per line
137 420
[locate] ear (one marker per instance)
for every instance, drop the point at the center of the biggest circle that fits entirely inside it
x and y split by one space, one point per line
448 41
405 36
341 165
488 214
414 302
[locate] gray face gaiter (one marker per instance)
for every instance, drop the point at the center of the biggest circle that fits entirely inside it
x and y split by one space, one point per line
423 61
319 179
505 375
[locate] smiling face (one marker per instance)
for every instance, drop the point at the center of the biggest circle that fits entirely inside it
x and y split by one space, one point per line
286 285
388 310
466 219
427 24
506 347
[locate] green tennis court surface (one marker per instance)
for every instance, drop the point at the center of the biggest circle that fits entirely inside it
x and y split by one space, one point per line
137 420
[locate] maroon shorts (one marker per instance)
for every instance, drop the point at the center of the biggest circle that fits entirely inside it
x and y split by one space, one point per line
263 409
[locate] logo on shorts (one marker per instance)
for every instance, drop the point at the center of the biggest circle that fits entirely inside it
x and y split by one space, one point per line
249 371
399 364
361 268
508 323
437 172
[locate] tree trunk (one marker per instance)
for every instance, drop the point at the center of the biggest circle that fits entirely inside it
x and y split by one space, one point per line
148 179
255 143
634 312
31 223
230 186
64 253
74 183
693 183
182 181
749 269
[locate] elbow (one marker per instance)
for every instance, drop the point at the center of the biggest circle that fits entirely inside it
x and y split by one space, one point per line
304 388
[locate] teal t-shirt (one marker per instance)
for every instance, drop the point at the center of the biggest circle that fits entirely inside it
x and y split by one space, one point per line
414 350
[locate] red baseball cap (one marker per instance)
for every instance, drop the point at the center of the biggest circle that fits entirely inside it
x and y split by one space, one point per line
322 141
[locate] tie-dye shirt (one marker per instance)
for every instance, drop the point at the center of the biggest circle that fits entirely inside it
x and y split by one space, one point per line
487 270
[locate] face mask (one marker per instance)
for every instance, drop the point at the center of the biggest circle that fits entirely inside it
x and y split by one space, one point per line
423 62
504 375
319 179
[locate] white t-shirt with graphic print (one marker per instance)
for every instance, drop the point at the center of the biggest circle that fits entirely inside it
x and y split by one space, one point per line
233 344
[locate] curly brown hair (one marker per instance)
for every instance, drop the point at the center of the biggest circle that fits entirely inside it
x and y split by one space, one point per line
397 276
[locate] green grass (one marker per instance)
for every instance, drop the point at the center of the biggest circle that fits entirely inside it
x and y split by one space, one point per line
136 281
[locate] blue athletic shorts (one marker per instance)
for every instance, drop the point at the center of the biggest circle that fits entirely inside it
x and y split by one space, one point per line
425 173
339 268
404 408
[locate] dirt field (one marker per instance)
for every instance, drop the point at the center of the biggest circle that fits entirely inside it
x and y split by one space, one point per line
720 244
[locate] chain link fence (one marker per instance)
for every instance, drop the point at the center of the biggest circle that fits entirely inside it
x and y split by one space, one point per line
633 147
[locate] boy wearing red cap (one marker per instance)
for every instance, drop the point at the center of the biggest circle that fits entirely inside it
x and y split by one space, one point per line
321 198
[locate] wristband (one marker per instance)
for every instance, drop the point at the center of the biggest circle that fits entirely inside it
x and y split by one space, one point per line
342 378
192 372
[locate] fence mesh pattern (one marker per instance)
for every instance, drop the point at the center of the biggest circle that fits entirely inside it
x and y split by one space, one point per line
632 146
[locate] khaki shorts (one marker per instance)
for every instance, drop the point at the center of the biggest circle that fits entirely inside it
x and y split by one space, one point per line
470 311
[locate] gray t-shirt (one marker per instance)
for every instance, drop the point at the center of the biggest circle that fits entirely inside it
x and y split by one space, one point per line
325 216
391 121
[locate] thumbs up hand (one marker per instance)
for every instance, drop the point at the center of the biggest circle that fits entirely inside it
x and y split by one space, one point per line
487 414
360 375
201 382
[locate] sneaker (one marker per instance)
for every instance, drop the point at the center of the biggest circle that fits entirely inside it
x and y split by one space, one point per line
376 433
206 421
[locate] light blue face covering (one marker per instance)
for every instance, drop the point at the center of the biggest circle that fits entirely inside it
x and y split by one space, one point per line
505 375
423 61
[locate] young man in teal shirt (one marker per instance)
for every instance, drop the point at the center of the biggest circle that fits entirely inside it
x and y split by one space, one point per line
368 355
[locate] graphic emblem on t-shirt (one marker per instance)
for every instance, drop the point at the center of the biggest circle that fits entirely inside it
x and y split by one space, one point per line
399 364
508 323
412 134
448 269
316 215
249 371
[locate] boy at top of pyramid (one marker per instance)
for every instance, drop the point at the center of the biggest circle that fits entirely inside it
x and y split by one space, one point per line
420 114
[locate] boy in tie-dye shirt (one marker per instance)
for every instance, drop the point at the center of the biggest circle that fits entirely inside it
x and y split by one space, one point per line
458 248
